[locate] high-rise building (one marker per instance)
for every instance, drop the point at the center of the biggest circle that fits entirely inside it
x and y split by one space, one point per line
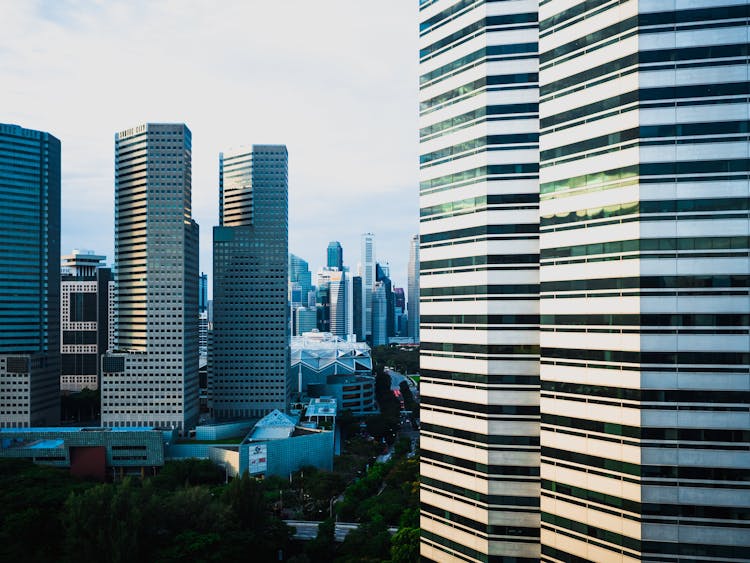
30 278
84 319
250 343
643 281
479 281
151 375
332 287
299 272
335 255
358 309
412 304
379 315
382 274
368 279
645 357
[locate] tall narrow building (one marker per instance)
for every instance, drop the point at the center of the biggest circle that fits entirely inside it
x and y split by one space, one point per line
479 254
412 303
29 278
151 375
368 280
645 360
84 319
250 343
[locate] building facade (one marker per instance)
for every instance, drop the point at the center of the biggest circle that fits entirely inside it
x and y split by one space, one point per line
644 281
250 343
150 377
30 279
412 303
84 319
479 280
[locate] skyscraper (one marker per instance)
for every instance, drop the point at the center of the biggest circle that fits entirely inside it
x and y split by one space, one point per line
479 281
335 255
84 319
30 278
379 315
251 260
643 295
645 357
299 272
151 377
368 278
333 281
412 304
357 309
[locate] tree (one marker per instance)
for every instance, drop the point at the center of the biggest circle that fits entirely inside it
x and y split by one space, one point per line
405 546
322 548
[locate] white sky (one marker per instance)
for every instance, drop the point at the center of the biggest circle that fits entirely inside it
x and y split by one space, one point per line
334 80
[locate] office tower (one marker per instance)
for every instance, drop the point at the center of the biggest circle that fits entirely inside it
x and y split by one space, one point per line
203 293
399 306
150 378
479 281
335 255
251 268
382 274
413 289
30 279
306 320
379 315
84 319
368 278
323 307
299 272
358 309
644 281
334 282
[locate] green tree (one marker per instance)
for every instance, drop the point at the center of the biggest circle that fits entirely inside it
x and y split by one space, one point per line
322 548
405 546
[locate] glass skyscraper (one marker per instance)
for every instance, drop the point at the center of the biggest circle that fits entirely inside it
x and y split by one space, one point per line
335 255
151 377
250 346
29 277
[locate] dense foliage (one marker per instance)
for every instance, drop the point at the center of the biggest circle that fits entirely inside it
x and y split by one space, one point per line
184 513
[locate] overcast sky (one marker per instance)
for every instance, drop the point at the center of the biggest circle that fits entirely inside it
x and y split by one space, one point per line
334 80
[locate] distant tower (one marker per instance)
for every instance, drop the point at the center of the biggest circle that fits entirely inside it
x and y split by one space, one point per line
250 343
84 318
368 278
335 255
151 378
413 289
379 315
30 278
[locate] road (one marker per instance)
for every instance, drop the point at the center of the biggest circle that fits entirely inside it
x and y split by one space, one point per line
308 530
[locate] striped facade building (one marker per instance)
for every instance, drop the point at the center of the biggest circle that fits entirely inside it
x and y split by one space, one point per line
644 280
479 275
643 262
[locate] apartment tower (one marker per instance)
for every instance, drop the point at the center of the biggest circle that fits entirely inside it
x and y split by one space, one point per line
150 377
30 279
479 276
250 360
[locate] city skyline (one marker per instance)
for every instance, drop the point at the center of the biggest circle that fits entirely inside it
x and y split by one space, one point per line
63 69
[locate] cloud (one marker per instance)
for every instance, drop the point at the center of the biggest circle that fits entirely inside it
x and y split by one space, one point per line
335 80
